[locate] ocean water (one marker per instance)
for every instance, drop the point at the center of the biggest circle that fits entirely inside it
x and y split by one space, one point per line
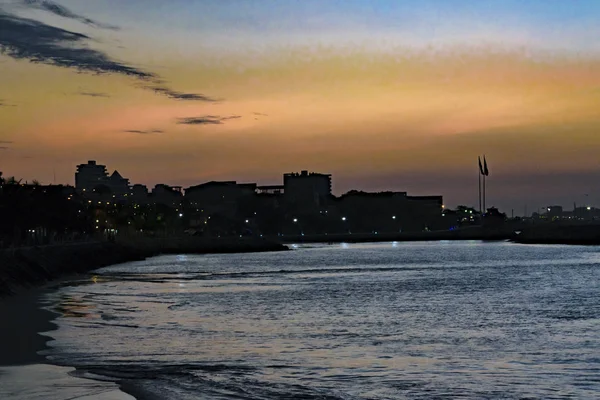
442 320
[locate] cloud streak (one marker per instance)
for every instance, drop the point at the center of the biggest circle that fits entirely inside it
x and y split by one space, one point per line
144 132
34 41
180 95
64 12
93 94
27 39
205 120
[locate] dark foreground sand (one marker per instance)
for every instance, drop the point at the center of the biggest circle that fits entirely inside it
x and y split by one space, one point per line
22 319
24 374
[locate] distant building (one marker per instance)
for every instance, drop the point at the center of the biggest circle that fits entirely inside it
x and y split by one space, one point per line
90 175
93 179
118 185
554 212
389 211
139 194
307 190
170 196
270 189
218 197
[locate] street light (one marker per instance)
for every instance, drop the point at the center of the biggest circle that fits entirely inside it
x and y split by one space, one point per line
394 217
343 218
295 219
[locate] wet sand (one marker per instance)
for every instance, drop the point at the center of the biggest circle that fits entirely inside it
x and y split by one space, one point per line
24 374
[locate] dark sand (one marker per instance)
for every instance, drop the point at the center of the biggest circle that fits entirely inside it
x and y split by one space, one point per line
21 320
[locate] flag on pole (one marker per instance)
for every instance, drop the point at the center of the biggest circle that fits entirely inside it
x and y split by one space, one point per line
480 166
485 172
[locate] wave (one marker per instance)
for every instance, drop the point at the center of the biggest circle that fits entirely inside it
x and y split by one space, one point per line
202 381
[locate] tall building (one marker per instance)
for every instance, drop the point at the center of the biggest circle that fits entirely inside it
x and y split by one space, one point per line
306 189
93 178
90 175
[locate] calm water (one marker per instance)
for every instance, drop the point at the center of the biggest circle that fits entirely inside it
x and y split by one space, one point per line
376 321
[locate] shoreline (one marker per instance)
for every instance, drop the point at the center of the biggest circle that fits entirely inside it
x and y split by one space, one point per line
24 372
27 319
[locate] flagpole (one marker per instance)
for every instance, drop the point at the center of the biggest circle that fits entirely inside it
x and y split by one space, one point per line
479 181
484 209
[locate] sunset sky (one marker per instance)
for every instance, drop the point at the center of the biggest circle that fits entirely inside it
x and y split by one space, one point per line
383 94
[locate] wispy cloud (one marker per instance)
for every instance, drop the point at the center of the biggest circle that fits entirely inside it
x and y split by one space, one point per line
144 132
6 142
180 95
64 12
27 39
261 114
93 94
205 120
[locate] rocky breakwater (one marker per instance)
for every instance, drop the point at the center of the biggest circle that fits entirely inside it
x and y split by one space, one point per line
33 266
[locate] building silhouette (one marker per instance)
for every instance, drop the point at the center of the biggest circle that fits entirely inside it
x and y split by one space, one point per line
90 175
307 190
219 197
118 185
304 204
166 195
93 177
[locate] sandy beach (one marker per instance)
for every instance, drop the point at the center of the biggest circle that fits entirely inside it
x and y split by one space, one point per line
24 373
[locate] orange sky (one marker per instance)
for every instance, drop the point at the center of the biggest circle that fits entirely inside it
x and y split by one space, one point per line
395 118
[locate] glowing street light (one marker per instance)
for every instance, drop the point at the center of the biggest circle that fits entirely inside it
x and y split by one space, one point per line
295 219
394 217
343 218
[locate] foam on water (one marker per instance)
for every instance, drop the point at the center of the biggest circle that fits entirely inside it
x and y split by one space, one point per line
49 382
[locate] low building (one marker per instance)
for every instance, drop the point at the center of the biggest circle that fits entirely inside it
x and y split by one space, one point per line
170 196
218 197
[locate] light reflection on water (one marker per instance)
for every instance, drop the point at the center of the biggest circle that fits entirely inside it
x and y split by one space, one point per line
377 321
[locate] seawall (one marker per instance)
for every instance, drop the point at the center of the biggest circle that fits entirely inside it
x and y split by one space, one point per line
26 267
200 245
33 266
560 234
